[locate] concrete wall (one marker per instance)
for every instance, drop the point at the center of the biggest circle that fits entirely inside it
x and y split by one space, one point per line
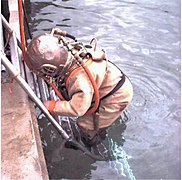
21 151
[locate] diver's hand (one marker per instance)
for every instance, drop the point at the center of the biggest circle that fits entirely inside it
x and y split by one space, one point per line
50 105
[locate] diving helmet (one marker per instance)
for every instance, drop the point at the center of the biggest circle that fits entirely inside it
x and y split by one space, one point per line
48 56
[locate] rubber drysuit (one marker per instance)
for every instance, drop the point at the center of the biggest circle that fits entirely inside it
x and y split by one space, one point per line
81 94
44 54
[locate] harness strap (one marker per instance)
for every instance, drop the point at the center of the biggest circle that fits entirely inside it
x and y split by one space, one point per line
120 83
96 114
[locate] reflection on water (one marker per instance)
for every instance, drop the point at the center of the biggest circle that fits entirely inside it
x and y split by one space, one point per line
59 157
143 38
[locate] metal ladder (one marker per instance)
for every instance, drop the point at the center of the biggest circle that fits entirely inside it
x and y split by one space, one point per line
34 86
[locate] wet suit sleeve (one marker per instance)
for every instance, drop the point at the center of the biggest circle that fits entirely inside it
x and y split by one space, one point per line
81 92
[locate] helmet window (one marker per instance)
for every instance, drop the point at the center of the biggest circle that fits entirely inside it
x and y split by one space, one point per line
49 69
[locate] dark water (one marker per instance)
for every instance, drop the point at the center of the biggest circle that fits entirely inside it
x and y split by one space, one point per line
143 38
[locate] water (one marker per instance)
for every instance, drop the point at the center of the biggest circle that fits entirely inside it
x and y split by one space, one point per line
143 38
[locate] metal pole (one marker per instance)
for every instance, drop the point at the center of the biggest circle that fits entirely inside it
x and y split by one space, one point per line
12 43
37 101
29 91
2 42
42 89
9 29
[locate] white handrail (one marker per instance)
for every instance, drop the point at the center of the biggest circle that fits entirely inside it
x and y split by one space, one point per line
29 91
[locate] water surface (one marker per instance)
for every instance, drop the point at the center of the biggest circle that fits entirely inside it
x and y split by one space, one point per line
143 39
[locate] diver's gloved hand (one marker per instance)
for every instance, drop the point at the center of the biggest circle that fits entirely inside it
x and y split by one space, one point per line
50 105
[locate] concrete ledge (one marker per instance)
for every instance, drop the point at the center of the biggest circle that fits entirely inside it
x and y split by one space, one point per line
21 150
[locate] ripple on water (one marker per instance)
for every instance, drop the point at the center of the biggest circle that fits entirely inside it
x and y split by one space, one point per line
143 39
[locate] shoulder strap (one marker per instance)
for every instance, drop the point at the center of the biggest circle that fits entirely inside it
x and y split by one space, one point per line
74 71
120 83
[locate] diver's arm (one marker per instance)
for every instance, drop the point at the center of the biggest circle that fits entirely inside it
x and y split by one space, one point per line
81 93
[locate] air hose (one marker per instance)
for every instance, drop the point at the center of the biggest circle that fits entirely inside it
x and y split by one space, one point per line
32 95
80 62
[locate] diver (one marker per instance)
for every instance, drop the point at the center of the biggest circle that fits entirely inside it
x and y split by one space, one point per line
90 87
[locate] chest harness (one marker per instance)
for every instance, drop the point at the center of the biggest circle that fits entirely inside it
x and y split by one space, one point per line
77 65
